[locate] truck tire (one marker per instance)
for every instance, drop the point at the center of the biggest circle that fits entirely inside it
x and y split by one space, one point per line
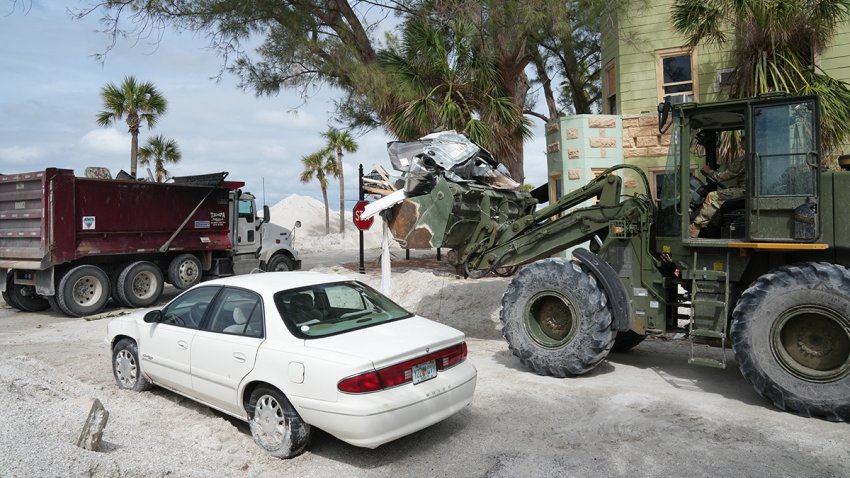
83 290
791 337
279 263
54 305
140 284
184 271
25 297
625 341
7 297
113 279
556 319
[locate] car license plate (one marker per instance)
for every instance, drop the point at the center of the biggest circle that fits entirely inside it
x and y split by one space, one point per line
424 371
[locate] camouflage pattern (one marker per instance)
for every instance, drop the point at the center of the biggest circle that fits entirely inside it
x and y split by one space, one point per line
712 203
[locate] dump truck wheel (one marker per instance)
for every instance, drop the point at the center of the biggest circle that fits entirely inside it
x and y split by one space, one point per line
279 263
140 284
556 318
7 297
184 271
54 305
83 290
791 336
626 341
27 299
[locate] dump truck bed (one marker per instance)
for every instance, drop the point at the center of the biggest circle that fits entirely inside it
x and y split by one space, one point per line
51 217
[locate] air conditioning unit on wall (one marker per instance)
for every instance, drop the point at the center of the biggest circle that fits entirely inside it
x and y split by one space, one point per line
681 98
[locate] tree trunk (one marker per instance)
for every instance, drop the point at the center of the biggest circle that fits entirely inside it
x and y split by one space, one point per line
327 211
134 151
341 191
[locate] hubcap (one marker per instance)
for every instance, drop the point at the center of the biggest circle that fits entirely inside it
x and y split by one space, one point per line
812 343
144 285
87 290
269 423
125 368
550 319
188 271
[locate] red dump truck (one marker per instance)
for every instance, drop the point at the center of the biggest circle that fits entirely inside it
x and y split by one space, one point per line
71 243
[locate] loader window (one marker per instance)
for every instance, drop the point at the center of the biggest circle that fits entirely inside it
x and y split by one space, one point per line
786 150
669 215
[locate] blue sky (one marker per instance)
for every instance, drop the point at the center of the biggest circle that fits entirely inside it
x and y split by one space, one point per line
50 93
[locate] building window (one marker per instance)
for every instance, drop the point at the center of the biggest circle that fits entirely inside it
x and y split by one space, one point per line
610 88
676 73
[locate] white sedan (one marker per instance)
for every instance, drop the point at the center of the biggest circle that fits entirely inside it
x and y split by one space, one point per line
287 351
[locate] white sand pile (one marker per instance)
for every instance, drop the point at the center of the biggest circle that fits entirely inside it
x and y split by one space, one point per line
310 237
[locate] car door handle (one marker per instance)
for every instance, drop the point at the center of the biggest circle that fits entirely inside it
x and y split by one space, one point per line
182 344
239 357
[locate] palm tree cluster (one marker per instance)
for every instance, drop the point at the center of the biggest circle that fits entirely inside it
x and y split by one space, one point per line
328 162
775 44
137 103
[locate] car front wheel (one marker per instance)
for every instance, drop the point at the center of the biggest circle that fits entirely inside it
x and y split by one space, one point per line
126 368
275 425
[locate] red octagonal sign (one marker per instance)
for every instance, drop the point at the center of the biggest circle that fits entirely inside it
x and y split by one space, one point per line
362 224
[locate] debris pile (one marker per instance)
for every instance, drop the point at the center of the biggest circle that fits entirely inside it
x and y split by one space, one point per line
445 184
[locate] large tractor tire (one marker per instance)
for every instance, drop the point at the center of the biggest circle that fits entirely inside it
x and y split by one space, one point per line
556 319
791 336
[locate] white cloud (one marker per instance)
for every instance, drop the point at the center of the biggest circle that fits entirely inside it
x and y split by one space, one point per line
298 119
20 154
106 141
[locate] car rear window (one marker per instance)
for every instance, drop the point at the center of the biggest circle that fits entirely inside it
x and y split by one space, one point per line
329 309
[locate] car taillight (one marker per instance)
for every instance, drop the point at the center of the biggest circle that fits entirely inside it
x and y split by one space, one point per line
401 373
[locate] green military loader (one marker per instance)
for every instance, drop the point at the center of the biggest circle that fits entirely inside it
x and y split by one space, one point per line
768 273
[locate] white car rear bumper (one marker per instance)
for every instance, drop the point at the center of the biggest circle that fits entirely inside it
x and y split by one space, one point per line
372 419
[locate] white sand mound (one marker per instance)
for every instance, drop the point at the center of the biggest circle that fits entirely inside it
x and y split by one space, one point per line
311 237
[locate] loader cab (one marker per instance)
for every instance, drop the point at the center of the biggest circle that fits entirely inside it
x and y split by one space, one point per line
778 139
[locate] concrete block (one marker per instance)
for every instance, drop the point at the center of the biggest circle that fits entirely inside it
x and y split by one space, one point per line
574 173
630 183
602 122
573 154
92 433
572 133
603 142
553 147
635 153
553 128
631 122
649 120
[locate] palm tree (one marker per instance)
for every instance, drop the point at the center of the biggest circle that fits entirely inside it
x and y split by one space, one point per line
447 81
319 165
339 142
160 150
137 102
775 44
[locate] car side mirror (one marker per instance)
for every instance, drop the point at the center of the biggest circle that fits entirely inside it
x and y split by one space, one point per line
267 214
153 316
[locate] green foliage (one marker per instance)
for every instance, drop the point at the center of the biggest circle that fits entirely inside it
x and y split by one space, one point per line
340 142
138 102
158 151
320 165
774 44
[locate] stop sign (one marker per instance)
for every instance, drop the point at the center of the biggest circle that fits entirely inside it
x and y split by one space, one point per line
362 224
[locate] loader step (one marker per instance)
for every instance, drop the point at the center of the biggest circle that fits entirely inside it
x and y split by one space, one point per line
706 362
707 333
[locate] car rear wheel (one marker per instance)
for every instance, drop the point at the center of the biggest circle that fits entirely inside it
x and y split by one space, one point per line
275 425
140 284
83 290
126 368
184 271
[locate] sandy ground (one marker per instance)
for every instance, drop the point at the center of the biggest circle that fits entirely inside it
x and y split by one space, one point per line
643 413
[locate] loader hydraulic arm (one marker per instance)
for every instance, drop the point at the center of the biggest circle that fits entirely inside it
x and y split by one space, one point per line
555 228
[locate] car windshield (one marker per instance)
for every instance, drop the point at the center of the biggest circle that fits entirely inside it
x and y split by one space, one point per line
329 309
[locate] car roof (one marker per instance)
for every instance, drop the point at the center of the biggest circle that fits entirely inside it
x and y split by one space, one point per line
272 282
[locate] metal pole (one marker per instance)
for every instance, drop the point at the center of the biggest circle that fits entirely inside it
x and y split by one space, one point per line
438 254
407 254
361 196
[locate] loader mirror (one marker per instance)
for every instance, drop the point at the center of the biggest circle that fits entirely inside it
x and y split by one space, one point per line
664 109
